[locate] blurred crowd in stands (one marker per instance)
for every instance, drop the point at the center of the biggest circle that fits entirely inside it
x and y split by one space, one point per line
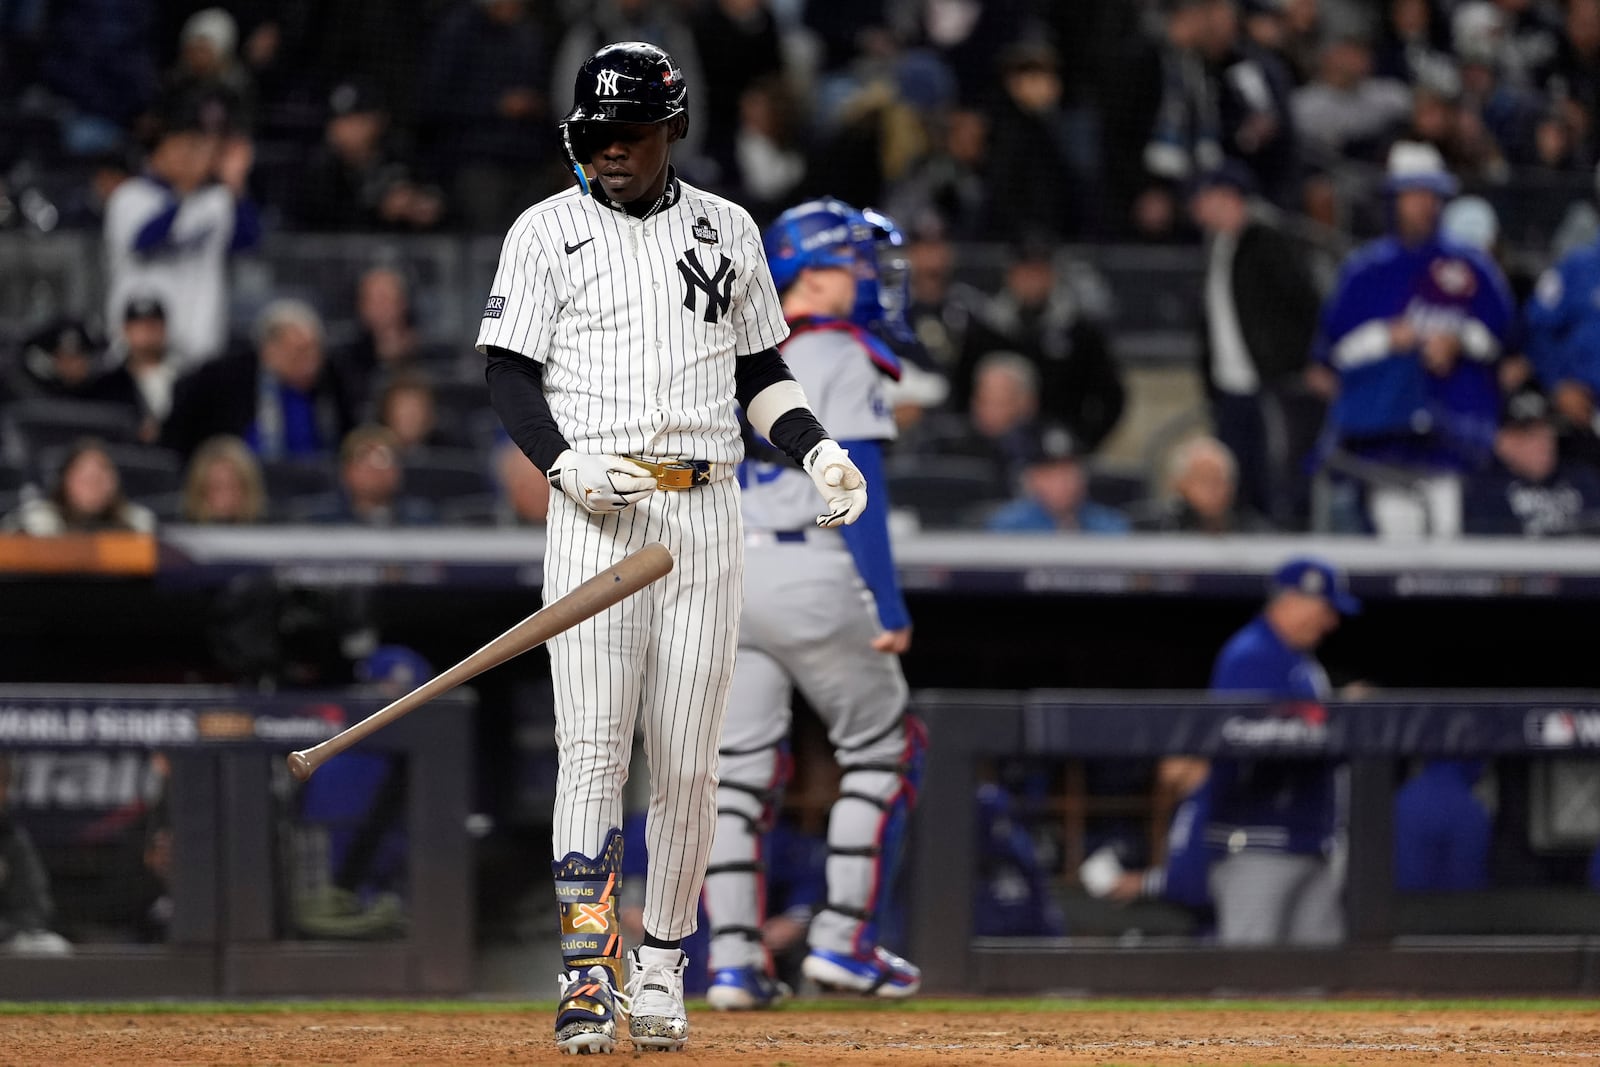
1434 388
992 120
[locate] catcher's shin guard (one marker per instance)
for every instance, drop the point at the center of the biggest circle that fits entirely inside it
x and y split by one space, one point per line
586 890
866 835
735 886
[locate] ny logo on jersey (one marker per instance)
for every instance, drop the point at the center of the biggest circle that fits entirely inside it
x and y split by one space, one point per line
606 82
718 287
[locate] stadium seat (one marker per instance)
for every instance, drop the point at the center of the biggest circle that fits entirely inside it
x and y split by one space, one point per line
932 434
445 474
167 506
13 478
953 493
291 481
1116 488
457 399
481 510
40 423
484 430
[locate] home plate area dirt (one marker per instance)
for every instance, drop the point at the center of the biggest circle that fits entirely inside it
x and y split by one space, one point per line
987 1034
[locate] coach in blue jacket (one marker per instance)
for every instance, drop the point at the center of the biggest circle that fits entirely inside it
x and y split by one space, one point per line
1413 333
1273 823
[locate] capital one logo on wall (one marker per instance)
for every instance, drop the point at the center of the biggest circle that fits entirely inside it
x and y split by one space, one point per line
1303 724
1562 728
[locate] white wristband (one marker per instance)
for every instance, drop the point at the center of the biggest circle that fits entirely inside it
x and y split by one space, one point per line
772 403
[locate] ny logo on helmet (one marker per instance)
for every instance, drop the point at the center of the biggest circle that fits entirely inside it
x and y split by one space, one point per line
606 82
717 287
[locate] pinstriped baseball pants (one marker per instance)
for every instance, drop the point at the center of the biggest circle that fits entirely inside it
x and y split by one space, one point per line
662 658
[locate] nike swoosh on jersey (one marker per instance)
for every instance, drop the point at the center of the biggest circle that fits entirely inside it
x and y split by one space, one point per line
573 248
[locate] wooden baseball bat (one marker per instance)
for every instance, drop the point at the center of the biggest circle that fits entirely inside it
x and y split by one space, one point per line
630 575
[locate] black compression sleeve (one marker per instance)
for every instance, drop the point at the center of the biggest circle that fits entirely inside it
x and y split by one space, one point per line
516 391
797 432
755 372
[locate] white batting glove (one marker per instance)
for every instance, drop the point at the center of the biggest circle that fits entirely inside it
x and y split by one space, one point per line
839 481
603 483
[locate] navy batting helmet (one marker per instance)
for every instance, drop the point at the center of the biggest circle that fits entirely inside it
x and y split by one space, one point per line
630 81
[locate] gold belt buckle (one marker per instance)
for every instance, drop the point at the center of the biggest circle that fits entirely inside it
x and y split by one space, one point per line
677 474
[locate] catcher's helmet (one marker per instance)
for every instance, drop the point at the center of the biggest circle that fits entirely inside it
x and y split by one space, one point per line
630 81
883 296
815 235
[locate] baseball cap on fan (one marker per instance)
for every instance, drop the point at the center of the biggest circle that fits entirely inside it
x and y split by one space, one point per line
1526 406
144 306
1314 576
1049 444
354 98
1418 165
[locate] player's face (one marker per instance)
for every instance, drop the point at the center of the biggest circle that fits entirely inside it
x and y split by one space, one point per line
630 159
833 290
1303 620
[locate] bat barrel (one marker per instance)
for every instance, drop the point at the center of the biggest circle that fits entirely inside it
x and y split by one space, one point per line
596 594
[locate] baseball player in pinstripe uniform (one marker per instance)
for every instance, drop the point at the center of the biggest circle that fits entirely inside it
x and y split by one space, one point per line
627 317
823 611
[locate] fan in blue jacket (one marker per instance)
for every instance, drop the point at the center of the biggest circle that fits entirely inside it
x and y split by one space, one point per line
1563 323
1414 331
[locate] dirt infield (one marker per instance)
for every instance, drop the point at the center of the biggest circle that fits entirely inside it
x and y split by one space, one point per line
970 1033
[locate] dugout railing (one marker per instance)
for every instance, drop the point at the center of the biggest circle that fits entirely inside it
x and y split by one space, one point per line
969 731
224 801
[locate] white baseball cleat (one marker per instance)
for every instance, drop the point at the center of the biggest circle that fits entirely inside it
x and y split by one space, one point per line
657 1020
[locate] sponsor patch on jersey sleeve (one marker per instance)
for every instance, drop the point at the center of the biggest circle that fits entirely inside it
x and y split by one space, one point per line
495 307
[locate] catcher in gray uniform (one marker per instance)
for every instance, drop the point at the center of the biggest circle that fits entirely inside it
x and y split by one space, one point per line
823 611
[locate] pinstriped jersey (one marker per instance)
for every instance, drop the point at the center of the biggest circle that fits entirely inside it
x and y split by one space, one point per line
638 322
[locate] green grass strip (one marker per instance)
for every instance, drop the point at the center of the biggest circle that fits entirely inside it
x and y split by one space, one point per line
920 1006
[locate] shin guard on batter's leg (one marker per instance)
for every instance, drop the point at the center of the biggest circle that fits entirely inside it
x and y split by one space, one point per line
586 890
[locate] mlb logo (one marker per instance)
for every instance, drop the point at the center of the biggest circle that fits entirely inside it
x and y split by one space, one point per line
495 307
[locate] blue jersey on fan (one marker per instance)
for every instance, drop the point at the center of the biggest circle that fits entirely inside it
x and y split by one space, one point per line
1563 319
1390 408
1276 805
